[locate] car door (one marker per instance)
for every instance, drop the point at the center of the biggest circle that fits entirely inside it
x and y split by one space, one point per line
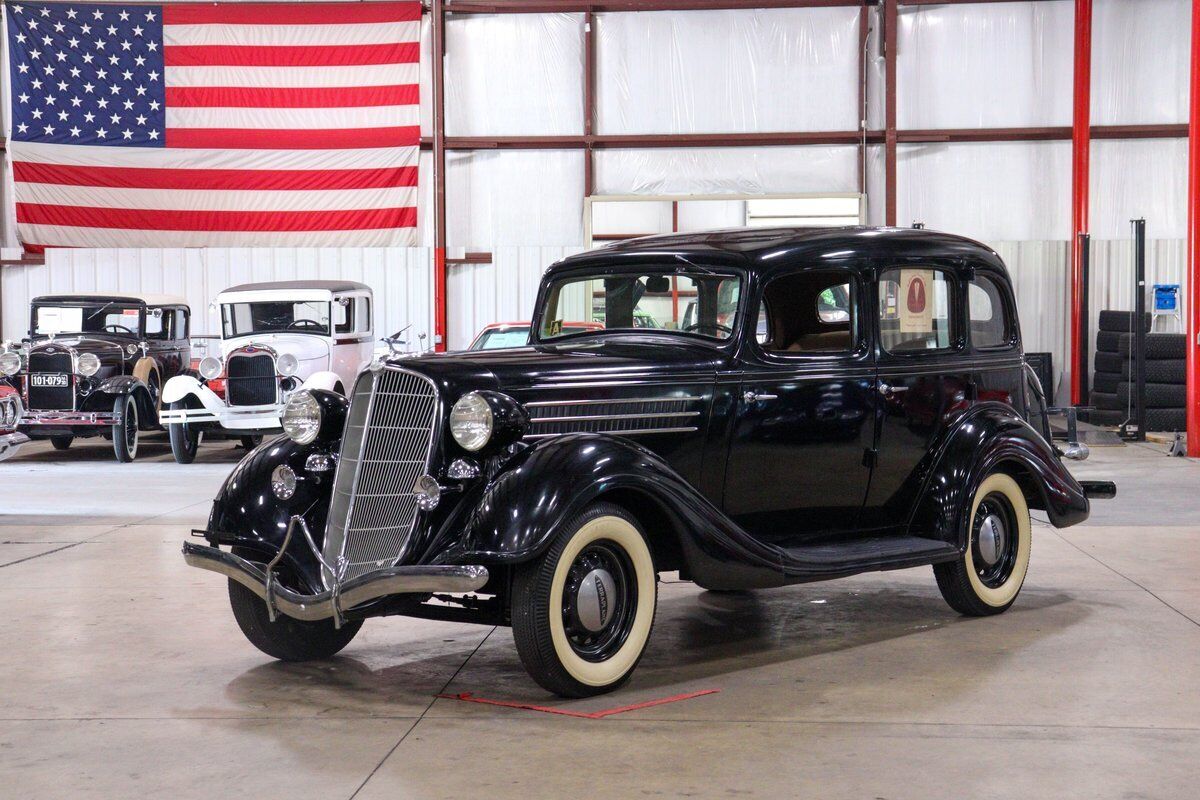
804 417
924 380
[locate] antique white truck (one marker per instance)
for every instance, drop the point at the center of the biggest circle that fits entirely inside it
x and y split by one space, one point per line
275 339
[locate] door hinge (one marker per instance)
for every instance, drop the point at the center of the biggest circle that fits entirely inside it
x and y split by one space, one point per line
869 456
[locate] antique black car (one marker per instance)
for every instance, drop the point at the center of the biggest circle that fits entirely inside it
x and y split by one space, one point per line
838 401
95 365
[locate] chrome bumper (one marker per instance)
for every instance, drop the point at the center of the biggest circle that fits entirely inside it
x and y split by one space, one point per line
10 442
265 416
354 592
59 418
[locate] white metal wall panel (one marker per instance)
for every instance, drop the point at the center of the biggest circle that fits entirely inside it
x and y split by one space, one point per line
1140 58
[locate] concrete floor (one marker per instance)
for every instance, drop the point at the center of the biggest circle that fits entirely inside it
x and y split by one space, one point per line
123 674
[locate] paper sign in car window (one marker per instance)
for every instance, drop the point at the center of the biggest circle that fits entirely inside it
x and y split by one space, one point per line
58 320
555 327
916 301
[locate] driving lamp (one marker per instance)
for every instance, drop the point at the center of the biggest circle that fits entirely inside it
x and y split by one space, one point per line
302 417
210 368
286 364
10 363
88 364
283 482
471 421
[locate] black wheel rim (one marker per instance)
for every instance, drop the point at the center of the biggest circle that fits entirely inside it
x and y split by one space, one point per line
131 426
590 641
995 538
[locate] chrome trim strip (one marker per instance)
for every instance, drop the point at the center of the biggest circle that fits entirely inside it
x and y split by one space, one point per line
614 401
354 592
602 417
613 433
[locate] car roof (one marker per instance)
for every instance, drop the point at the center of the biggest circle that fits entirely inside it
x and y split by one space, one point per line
120 297
327 286
766 250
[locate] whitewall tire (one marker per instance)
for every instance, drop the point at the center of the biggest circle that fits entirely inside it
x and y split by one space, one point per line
991 571
582 613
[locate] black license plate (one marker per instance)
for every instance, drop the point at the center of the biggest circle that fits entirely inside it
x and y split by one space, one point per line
48 381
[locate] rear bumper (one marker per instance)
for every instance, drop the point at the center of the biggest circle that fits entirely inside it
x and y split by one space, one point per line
351 593
58 419
231 418
1099 490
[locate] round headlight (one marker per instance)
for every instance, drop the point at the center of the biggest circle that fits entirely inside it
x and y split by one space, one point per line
471 421
302 417
88 364
210 368
283 482
10 363
287 364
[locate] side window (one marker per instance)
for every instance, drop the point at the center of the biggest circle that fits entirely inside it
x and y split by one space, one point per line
915 310
343 315
158 324
182 324
990 325
811 312
364 314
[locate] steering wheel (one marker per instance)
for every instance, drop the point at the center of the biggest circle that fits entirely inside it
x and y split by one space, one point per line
306 323
119 327
718 326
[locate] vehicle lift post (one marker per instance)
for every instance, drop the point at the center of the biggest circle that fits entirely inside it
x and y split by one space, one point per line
1138 350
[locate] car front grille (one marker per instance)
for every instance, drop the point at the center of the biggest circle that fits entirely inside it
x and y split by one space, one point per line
51 398
386 446
251 379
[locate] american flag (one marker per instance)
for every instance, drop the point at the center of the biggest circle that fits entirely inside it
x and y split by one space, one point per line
188 125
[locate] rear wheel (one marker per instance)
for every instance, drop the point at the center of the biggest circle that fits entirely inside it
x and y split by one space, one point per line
989 575
251 442
125 430
61 442
185 439
582 613
286 638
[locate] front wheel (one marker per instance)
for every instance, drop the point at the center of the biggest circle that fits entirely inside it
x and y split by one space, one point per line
287 638
989 575
582 613
251 442
61 442
185 440
125 430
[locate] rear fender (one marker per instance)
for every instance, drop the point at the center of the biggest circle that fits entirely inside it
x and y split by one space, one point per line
994 438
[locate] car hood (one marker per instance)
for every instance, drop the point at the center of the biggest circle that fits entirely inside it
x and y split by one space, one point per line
305 347
109 351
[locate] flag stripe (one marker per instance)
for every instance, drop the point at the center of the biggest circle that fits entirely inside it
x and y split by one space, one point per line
297 13
203 201
295 77
267 159
60 236
329 138
290 56
207 220
263 97
269 119
283 35
214 179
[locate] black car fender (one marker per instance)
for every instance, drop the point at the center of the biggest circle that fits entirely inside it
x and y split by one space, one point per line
101 398
993 437
515 516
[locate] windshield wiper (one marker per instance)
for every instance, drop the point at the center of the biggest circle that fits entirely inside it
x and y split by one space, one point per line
101 308
693 265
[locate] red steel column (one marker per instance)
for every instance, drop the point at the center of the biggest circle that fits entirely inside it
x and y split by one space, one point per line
439 175
891 23
1080 151
1193 247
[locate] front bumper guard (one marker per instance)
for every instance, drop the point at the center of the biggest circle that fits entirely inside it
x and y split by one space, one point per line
331 603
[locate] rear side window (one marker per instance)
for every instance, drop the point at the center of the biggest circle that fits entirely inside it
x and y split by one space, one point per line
810 312
915 310
990 323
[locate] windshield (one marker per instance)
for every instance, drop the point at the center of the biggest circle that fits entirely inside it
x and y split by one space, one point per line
696 301
310 316
99 317
498 338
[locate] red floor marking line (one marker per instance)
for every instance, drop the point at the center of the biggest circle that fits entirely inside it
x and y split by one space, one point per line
470 698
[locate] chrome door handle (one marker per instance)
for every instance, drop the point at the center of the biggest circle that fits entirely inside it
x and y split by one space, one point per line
888 390
751 396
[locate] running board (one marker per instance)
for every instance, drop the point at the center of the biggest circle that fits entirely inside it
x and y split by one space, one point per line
828 559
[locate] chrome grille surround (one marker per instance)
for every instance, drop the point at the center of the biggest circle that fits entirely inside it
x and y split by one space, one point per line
387 444
250 377
55 360
618 416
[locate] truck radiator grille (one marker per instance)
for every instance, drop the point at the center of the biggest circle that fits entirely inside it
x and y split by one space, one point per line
51 398
251 379
387 445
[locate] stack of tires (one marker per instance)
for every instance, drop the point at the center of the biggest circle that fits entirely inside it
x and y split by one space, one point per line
1113 386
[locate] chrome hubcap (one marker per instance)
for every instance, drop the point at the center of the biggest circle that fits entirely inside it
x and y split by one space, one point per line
991 539
595 598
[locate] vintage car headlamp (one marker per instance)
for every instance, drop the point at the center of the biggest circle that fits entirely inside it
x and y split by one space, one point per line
10 363
88 364
487 419
302 417
210 368
287 364
283 482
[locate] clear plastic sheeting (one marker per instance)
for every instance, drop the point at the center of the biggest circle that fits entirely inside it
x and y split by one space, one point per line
731 170
1002 191
1140 55
985 65
514 197
728 71
1138 178
514 74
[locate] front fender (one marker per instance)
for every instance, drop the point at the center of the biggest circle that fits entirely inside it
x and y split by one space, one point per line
993 437
182 386
322 380
245 512
514 517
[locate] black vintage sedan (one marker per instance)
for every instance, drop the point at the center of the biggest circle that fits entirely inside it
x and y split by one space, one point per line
836 401
94 364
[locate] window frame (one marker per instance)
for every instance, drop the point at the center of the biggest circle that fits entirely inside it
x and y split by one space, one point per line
1009 313
861 332
956 297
